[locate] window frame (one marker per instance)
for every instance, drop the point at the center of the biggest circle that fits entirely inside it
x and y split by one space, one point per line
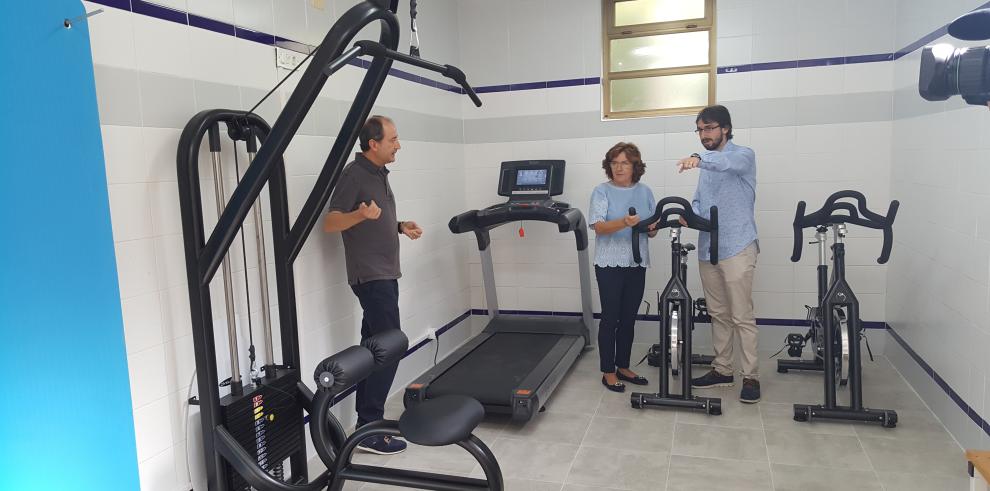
611 32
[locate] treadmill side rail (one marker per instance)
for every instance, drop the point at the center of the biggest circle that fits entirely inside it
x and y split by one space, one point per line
534 392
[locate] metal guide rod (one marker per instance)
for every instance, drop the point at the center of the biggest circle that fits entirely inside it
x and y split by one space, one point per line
228 288
67 23
259 233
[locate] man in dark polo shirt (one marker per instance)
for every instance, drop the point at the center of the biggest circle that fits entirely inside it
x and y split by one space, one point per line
363 210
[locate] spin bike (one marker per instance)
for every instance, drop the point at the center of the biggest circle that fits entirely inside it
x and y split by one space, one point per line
835 326
674 306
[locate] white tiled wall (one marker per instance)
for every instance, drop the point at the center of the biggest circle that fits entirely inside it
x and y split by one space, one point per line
939 299
815 131
795 162
153 76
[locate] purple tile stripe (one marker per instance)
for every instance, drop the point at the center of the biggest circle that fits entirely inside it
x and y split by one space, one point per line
528 86
570 82
159 12
969 411
117 4
491 88
256 36
761 321
145 8
870 58
956 398
211 25
411 350
289 44
841 60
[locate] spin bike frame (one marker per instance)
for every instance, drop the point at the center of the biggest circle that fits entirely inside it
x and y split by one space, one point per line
676 300
840 296
815 320
676 314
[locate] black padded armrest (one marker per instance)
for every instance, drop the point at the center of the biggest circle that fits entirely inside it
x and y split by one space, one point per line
388 347
340 371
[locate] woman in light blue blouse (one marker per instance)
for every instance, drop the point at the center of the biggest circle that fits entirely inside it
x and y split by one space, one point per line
620 280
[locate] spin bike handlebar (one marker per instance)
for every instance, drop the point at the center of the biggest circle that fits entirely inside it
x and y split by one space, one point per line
666 220
857 214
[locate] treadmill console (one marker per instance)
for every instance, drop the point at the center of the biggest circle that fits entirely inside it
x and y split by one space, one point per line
531 180
529 185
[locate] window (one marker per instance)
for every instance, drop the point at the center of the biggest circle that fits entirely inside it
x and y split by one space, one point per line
659 57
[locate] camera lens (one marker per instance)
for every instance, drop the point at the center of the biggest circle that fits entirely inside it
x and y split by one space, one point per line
933 77
947 71
970 71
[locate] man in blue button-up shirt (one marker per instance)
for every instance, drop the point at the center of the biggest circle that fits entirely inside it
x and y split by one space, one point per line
728 181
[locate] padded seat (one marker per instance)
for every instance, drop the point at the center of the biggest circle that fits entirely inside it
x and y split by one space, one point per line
441 421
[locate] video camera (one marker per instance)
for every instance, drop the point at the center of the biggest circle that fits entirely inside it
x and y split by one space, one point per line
947 70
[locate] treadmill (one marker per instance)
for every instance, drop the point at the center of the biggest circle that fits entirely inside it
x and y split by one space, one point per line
517 361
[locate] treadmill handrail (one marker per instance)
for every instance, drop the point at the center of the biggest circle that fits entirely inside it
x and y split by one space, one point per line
567 220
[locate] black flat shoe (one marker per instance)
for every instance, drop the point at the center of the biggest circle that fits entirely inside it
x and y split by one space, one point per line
618 387
633 380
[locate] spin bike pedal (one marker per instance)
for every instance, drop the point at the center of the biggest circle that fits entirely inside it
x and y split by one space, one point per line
795 345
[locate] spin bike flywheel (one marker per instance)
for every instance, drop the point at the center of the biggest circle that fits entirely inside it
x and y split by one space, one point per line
675 342
842 350
841 339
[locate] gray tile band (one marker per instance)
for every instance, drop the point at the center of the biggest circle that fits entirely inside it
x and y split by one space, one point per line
166 101
908 104
118 96
129 98
142 7
132 98
757 113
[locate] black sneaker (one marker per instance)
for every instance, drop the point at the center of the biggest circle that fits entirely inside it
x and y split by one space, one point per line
382 445
751 391
712 379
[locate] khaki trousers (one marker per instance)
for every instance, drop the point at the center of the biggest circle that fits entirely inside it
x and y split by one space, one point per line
728 289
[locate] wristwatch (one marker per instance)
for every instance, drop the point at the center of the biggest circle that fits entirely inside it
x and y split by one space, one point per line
400 227
695 155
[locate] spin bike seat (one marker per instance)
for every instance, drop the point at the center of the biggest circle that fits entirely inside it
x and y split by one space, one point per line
688 247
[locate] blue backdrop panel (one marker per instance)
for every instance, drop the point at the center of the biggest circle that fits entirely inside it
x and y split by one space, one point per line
67 421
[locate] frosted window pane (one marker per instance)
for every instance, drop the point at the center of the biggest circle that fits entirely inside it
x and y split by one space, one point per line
649 11
669 91
661 51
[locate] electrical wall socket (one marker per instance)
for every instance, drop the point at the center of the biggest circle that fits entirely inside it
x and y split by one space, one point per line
287 59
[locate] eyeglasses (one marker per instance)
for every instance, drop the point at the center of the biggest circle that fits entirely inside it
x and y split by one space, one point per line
615 163
707 129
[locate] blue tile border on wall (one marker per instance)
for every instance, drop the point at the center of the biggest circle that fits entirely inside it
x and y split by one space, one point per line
159 12
942 384
143 7
212 25
412 349
149 9
642 317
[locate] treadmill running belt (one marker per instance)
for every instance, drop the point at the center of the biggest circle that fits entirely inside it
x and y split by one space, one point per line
493 370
